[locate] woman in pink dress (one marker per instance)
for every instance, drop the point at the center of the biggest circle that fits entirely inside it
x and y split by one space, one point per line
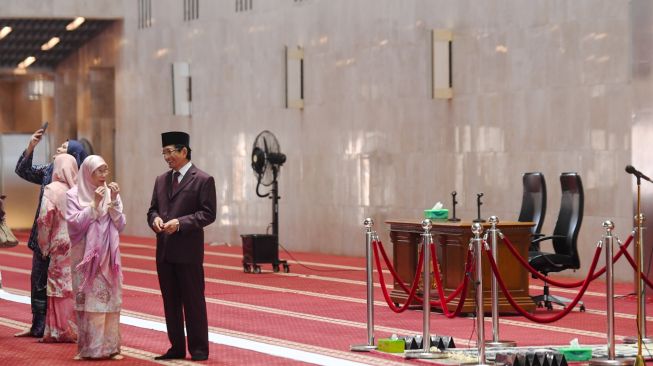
60 324
95 219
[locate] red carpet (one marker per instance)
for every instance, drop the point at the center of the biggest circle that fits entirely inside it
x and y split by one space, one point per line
320 309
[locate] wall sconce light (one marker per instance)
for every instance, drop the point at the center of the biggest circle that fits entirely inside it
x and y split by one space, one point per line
441 63
181 89
38 88
295 77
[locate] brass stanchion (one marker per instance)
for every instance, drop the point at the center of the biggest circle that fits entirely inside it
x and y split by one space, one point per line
425 352
611 360
496 340
639 253
369 236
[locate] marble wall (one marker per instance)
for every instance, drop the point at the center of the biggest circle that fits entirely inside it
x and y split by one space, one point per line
541 85
86 94
18 113
642 114
7 119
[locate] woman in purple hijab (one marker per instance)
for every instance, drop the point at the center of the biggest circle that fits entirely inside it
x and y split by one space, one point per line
95 219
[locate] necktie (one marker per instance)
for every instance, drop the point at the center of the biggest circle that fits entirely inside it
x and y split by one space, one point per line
175 181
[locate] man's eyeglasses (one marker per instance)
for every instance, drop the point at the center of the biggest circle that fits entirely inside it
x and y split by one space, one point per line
167 152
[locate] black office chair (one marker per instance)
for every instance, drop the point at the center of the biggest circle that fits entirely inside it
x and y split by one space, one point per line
564 239
533 204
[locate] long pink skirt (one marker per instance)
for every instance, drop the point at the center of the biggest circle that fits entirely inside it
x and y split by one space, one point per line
60 321
99 334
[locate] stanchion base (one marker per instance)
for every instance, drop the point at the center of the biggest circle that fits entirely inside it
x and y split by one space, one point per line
615 362
362 348
634 340
500 344
424 355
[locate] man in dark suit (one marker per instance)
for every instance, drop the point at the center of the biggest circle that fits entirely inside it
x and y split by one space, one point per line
183 203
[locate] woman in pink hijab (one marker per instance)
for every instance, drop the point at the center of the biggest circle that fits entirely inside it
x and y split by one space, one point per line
60 324
95 219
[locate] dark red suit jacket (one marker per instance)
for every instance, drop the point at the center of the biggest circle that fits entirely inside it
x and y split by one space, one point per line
193 203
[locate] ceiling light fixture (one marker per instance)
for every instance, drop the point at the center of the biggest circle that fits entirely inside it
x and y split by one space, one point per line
4 31
26 62
75 23
50 44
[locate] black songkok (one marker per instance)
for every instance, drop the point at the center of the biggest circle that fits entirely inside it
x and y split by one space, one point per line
175 138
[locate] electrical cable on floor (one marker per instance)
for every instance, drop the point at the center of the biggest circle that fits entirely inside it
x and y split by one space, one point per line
297 262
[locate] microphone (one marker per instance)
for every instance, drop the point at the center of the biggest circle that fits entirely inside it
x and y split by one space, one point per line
631 170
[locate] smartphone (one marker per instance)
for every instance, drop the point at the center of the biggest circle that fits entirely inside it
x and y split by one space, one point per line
44 126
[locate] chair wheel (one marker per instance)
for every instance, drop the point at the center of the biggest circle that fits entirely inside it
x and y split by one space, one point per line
275 267
257 269
582 308
286 268
247 268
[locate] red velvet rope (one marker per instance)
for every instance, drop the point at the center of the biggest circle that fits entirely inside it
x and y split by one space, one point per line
458 290
642 276
461 288
469 268
413 288
395 276
438 282
534 318
542 277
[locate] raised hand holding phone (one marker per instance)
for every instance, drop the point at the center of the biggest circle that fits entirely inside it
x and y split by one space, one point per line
36 138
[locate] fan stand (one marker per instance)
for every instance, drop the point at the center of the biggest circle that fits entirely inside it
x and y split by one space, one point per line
273 194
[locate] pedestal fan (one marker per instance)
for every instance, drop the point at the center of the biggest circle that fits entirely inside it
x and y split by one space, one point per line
267 160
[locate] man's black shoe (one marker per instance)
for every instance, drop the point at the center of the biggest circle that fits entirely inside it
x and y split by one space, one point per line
170 356
199 357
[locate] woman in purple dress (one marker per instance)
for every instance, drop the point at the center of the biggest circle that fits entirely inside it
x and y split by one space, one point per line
95 219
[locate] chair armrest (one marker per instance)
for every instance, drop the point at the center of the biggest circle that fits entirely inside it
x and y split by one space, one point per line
534 241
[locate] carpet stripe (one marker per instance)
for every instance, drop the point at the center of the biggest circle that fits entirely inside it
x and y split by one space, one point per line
127 351
256 343
240 269
239 256
306 293
360 325
310 276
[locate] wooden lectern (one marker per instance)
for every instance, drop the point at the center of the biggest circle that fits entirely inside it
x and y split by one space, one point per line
452 242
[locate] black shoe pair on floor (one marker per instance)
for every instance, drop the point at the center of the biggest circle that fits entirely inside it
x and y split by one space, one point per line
176 356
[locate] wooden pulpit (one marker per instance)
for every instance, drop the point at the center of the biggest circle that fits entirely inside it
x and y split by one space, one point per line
452 242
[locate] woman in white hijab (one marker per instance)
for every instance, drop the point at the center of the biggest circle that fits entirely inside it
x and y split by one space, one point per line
95 219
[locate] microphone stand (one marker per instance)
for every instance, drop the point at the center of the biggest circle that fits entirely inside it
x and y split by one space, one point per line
454 202
641 299
478 208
